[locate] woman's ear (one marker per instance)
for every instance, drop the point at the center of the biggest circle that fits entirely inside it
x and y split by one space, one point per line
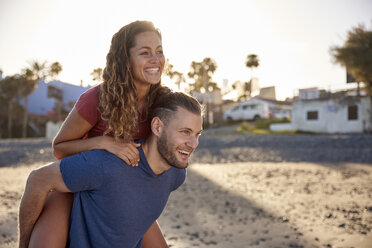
156 126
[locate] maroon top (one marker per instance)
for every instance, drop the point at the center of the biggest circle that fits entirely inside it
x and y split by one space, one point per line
87 107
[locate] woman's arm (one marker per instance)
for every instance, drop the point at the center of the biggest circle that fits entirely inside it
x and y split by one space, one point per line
68 141
39 184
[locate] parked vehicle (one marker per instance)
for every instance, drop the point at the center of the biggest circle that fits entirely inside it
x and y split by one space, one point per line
252 109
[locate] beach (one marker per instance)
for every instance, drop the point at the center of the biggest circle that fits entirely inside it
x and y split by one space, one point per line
243 191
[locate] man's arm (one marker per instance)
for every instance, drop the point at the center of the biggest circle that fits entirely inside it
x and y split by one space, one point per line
39 183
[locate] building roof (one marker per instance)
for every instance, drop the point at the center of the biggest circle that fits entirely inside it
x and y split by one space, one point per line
274 101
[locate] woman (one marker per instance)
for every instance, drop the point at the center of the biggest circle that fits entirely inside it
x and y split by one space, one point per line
119 108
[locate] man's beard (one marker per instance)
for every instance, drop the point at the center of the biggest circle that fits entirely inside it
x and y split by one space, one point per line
165 151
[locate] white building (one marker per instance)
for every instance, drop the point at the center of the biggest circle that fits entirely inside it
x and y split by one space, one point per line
341 114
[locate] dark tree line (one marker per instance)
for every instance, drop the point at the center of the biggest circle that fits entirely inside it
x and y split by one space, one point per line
19 86
356 55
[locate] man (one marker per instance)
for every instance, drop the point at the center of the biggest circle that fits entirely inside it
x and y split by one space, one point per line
115 204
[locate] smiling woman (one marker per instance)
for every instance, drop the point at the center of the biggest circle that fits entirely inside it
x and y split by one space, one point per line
109 116
147 59
129 87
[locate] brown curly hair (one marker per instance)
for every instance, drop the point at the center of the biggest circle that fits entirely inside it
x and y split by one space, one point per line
118 94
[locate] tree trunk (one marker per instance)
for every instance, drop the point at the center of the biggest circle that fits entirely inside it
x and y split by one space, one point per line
205 100
370 115
25 118
10 110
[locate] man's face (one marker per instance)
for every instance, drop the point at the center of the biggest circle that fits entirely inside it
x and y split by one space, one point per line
179 138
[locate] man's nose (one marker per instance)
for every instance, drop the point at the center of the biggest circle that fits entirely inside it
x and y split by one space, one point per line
193 142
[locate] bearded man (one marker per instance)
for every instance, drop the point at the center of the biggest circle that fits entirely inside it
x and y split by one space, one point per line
115 204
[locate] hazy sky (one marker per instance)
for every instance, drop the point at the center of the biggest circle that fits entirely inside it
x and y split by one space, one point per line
291 37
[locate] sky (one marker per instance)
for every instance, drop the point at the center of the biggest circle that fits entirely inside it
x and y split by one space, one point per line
292 38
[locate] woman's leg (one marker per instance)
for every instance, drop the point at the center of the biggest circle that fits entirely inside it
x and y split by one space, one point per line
51 229
154 237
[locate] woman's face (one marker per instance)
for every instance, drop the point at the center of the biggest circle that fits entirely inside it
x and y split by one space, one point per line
147 59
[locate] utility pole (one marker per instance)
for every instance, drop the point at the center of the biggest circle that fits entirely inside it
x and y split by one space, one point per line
205 98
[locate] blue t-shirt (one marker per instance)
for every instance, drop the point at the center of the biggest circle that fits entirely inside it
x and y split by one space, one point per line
114 203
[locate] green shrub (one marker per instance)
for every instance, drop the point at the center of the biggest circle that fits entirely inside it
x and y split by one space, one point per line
265 123
245 127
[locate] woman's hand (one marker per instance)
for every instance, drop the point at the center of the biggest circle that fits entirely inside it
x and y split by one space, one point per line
126 151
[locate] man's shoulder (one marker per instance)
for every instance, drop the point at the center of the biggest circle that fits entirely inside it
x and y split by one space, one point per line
179 177
100 155
95 153
182 174
103 154
85 157
178 171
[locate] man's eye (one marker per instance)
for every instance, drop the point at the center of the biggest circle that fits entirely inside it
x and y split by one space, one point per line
160 52
187 132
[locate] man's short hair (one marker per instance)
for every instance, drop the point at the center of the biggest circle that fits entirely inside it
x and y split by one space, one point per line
167 104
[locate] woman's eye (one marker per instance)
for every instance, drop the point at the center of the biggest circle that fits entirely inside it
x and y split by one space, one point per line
144 53
160 52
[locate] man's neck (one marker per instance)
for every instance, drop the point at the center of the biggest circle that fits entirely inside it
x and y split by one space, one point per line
156 162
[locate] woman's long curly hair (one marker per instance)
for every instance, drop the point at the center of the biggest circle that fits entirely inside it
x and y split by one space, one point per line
118 94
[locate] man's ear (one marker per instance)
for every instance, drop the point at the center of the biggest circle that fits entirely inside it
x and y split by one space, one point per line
156 126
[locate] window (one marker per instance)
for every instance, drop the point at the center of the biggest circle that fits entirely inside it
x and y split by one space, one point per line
352 112
312 115
235 108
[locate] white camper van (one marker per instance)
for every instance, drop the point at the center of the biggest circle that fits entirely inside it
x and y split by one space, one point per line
251 109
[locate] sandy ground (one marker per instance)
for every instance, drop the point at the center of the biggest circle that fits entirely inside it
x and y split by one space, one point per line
247 205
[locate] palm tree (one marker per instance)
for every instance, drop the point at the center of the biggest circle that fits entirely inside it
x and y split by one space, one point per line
52 72
251 62
355 54
168 70
39 69
30 78
10 88
97 74
202 73
28 83
179 78
55 69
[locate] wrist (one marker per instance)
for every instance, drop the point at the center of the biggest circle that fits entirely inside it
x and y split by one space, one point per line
100 142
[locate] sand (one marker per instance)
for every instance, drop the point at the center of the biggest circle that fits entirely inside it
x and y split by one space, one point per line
249 204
